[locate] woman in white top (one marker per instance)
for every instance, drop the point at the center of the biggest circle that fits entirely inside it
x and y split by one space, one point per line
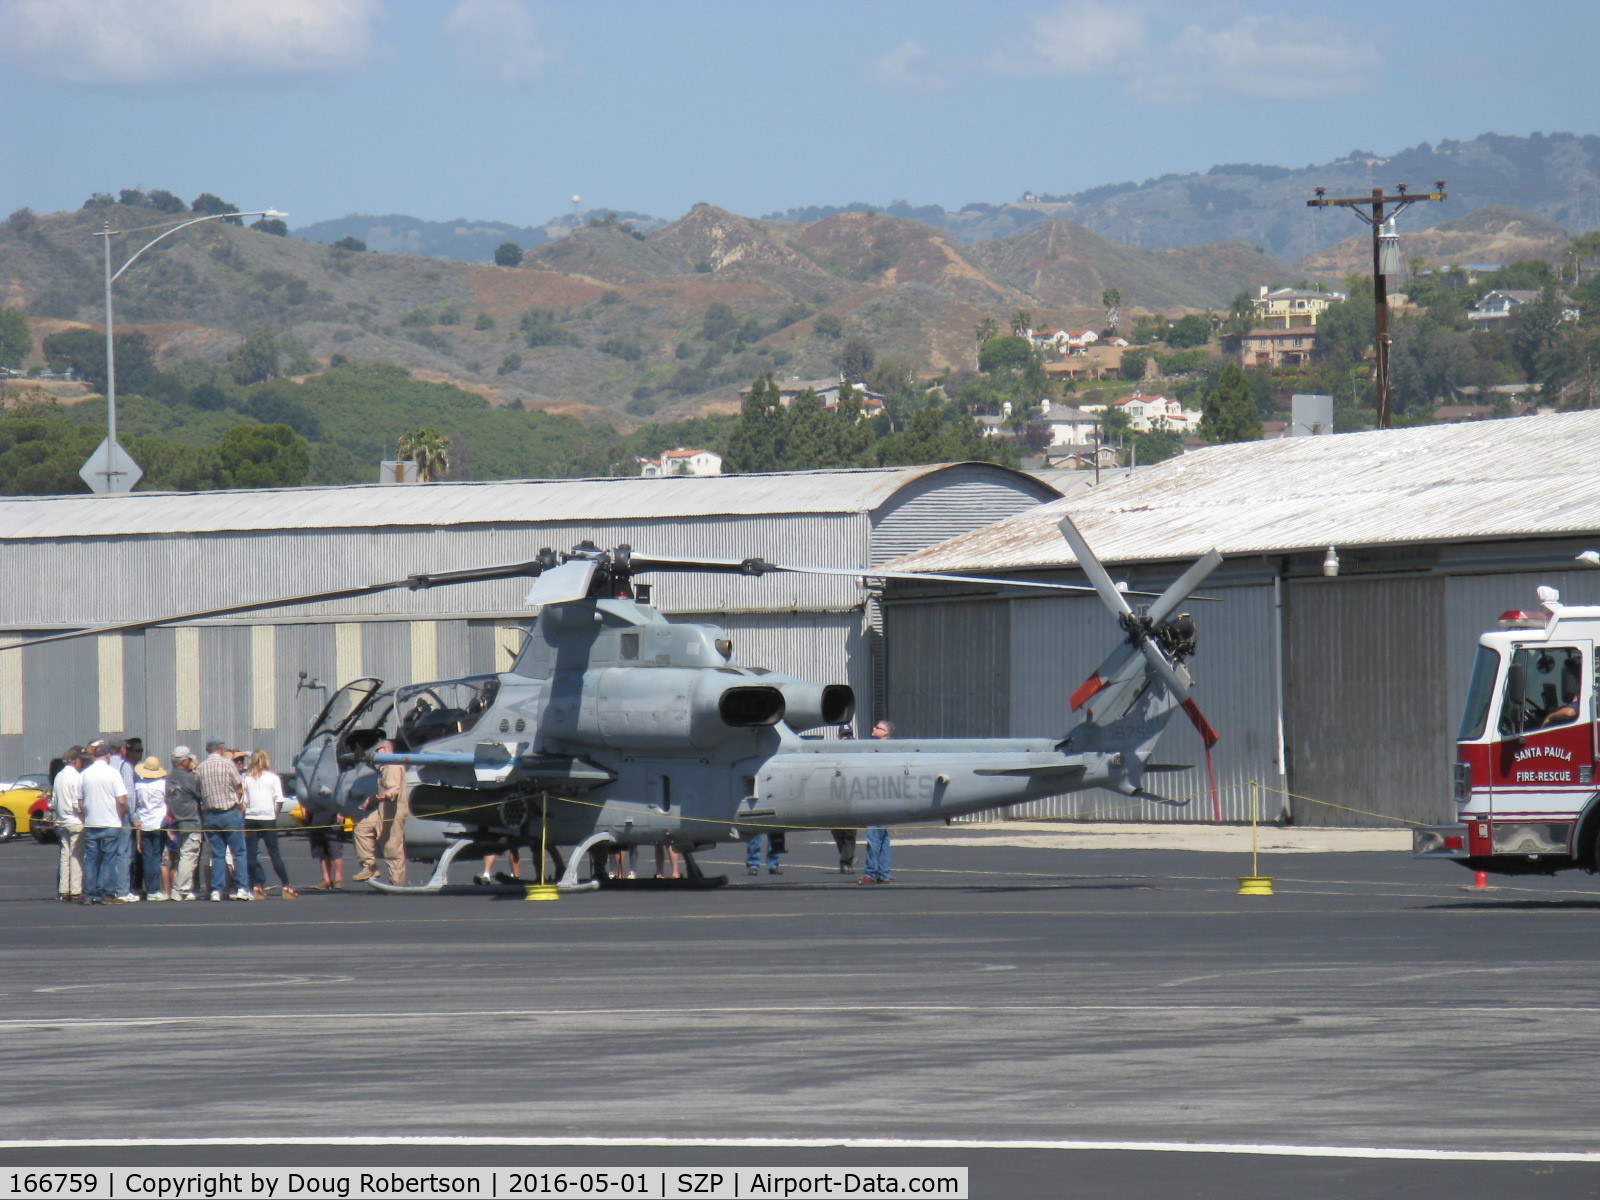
150 819
263 796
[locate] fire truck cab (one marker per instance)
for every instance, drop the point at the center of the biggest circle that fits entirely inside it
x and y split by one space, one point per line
1526 753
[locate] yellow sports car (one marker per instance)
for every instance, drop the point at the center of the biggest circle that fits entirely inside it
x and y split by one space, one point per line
25 808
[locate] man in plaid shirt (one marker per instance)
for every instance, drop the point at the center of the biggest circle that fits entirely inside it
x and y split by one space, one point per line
222 816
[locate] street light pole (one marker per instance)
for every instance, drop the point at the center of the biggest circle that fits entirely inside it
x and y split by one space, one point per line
110 472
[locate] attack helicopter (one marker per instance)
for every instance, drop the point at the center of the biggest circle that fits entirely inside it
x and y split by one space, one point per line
615 727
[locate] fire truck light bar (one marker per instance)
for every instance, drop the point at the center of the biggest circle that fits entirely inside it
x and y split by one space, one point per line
1523 620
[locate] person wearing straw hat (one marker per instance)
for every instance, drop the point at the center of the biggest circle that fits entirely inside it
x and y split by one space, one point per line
150 823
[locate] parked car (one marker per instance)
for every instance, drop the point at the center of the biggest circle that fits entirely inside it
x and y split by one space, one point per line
25 808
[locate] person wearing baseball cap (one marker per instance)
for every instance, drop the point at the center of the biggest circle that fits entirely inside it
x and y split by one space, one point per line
66 805
222 815
183 805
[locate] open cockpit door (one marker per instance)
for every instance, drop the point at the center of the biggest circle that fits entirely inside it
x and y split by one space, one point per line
348 727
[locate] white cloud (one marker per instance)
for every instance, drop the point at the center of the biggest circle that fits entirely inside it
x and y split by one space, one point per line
156 42
1256 58
1084 38
1259 58
908 68
498 42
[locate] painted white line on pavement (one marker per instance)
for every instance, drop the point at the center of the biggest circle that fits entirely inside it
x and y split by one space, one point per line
844 1143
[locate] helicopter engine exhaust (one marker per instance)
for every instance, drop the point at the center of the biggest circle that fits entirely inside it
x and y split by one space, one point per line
751 707
809 705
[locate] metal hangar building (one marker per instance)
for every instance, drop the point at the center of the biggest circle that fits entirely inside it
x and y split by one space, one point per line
1340 691
259 678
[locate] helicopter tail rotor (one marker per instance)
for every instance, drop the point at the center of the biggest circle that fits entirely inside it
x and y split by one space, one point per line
1159 640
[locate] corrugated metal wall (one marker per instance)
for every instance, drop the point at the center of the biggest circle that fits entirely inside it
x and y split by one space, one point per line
932 510
949 667
1007 668
1366 710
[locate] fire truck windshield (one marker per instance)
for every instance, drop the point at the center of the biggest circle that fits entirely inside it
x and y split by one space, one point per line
1479 693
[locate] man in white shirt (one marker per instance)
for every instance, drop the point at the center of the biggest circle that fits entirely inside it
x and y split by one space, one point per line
66 807
105 805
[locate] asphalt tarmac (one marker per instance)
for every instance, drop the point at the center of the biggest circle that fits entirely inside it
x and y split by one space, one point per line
1064 1023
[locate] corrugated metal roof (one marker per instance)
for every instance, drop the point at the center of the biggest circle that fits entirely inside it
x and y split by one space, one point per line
372 506
1536 475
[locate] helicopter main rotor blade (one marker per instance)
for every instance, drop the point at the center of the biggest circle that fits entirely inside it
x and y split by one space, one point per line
413 582
558 585
760 566
1114 599
1179 686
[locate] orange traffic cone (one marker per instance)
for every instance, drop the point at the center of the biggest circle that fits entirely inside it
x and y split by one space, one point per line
1480 883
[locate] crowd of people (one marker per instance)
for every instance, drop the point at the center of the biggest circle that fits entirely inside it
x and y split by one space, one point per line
131 829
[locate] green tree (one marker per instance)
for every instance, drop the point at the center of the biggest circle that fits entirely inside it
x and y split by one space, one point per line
353 244
483 323
1229 413
856 358
829 326
271 225
263 456
1534 326
508 254
1002 353
1112 299
1344 330
1021 322
1133 362
425 447
15 341
1188 332
988 329
256 360
757 441
164 201
208 205
84 351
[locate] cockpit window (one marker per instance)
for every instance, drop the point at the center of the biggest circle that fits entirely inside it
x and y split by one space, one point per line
1548 679
429 711
345 703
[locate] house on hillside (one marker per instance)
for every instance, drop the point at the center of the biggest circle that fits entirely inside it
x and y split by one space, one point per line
681 462
1063 341
827 391
1068 427
1152 414
1292 308
1277 347
1498 305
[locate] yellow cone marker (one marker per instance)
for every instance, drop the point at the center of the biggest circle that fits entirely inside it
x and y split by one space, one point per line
542 890
1255 883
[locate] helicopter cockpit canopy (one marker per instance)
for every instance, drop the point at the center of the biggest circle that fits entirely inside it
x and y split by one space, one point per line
429 711
343 705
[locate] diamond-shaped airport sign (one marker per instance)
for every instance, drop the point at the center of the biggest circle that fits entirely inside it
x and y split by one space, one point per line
104 475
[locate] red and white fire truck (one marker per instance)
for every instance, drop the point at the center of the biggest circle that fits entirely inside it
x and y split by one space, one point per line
1526 754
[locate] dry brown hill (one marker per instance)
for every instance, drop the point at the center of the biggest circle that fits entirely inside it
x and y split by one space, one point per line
607 318
1490 235
1064 266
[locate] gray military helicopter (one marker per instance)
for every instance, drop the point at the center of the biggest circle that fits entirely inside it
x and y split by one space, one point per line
615 727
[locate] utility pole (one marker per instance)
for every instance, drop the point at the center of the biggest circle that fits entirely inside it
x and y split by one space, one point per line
1382 230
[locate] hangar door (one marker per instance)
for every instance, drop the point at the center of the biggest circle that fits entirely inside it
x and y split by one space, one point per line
1365 704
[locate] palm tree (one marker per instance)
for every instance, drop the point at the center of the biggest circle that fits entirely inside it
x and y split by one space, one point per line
1112 299
987 328
425 447
1021 322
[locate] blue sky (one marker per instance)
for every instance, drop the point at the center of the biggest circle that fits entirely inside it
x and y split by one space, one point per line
504 109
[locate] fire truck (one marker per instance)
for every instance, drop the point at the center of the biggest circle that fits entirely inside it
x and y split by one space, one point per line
1526 753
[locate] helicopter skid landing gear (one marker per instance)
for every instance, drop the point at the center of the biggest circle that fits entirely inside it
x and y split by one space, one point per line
595 848
438 883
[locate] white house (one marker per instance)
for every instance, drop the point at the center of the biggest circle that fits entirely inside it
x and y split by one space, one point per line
1147 414
681 462
1063 341
1069 426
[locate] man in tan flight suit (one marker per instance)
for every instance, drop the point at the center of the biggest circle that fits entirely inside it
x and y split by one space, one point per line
385 825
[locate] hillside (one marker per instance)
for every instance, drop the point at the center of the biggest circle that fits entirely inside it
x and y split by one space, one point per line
1496 235
462 240
1554 176
609 319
